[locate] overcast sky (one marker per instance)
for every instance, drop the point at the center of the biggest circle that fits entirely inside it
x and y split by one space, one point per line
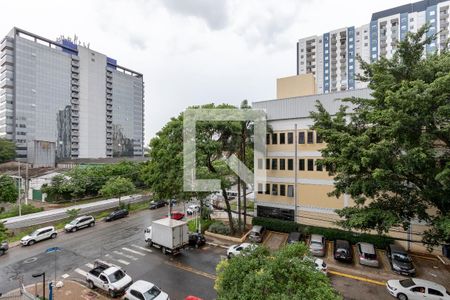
193 51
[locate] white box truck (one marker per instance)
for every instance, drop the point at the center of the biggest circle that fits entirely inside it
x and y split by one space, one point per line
168 234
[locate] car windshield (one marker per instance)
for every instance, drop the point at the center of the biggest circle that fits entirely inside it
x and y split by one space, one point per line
401 257
152 293
73 222
406 283
316 243
343 251
116 276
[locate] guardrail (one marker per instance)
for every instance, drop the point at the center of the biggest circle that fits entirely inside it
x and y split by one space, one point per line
61 213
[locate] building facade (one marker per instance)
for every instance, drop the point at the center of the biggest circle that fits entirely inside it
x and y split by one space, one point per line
331 57
78 102
295 187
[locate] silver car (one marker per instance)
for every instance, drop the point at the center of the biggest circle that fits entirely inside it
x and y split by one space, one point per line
317 245
367 255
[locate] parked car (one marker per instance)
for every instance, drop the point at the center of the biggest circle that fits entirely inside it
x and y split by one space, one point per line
237 249
343 251
400 261
80 222
117 214
176 215
196 239
190 297
317 245
157 204
144 290
321 266
39 235
256 234
171 202
367 255
109 278
412 289
194 208
3 247
294 237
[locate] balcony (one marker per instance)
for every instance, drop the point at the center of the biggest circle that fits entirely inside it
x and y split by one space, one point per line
75 95
75 70
109 85
75 88
75 76
109 96
75 139
7 44
75 63
7 60
6 83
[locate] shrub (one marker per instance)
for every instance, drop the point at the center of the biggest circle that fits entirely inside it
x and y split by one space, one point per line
204 223
275 224
220 228
26 209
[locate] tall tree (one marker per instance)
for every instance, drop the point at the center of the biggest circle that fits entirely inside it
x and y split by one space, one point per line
262 275
117 187
8 189
391 153
7 150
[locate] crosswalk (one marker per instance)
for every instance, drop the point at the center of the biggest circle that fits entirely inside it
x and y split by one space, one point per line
121 257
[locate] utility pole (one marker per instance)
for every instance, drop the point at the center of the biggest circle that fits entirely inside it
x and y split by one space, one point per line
20 186
26 185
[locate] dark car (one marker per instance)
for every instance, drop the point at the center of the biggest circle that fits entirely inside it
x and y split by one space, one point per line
117 214
171 202
294 237
3 247
343 251
196 239
157 204
400 261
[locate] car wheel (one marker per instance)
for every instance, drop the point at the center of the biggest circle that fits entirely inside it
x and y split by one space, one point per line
197 245
402 297
31 242
230 255
53 235
2 252
150 243
112 294
91 285
164 251
91 224
74 229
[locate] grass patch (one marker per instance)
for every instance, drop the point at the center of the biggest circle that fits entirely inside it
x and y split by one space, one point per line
250 206
26 209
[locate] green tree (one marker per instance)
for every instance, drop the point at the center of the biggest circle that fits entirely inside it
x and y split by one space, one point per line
8 189
7 150
391 153
73 213
117 187
283 275
3 232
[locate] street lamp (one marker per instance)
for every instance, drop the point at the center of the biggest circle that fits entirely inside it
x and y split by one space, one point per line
43 281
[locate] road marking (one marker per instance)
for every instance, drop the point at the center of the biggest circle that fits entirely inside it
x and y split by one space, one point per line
142 248
124 262
190 269
81 272
133 251
357 278
90 266
64 276
126 255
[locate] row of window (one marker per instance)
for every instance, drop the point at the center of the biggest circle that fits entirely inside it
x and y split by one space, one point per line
276 189
288 164
288 138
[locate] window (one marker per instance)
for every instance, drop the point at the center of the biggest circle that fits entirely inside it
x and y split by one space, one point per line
274 139
301 137
310 164
275 189
318 167
274 163
267 163
418 289
319 138
267 189
282 138
290 138
260 188
290 191
290 164
282 190
435 292
137 295
268 139
260 163
310 137
282 164
301 164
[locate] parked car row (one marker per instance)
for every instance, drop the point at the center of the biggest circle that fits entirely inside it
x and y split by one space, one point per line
161 203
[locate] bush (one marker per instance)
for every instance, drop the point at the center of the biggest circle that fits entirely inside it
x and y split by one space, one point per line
26 209
380 241
220 228
204 223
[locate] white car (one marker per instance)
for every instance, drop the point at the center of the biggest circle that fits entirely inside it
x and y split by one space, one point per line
321 266
193 209
144 290
80 222
39 235
237 249
414 289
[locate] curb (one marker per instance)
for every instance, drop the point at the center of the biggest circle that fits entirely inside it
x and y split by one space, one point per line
217 245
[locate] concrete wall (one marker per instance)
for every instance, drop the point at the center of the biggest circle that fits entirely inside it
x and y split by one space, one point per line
294 86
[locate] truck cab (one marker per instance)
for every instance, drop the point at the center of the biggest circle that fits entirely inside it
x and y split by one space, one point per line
109 278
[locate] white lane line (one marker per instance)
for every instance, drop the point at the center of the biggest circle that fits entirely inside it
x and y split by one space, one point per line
123 262
64 276
133 251
81 272
142 248
90 266
126 255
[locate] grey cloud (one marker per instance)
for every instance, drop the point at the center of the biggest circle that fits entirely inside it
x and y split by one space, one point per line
137 42
213 12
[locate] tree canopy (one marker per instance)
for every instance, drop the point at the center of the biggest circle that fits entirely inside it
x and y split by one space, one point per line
7 150
117 186
283 275
8 189
391 152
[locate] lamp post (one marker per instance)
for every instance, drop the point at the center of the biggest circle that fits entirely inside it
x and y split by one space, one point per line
43 281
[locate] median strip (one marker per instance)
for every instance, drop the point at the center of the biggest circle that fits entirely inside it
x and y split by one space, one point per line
357 278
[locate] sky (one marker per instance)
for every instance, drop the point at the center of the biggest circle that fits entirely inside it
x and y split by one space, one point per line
193 51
